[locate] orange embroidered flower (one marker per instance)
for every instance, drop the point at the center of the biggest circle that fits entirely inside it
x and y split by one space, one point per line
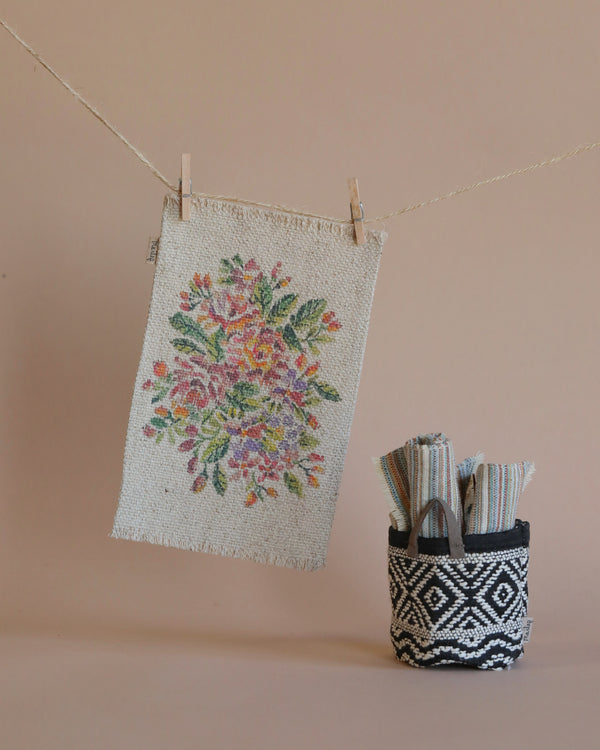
328 317
271 491
160 369
180 412
259 353
313 481
335 326
161 411
301 362
311 370
251 499
312 421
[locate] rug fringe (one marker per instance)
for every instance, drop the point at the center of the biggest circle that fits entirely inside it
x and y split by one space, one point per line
261 556
529 472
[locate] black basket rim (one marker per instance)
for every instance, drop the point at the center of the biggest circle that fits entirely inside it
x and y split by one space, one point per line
515 537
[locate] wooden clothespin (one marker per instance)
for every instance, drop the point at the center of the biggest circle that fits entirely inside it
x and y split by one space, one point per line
357 211
185 186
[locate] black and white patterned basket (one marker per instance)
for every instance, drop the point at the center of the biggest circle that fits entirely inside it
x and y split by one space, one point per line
458 600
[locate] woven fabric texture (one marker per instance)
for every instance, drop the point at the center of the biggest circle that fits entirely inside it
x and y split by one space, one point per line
423 468
492 496
466 611
247 382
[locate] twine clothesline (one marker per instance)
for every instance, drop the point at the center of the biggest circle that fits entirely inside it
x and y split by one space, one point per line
136 152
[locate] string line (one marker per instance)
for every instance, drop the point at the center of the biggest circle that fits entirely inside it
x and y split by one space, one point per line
459 191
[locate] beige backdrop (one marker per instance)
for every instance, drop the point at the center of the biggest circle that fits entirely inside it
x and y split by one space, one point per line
484 326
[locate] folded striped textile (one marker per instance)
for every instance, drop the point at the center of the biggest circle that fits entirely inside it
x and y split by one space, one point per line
423 468
492 496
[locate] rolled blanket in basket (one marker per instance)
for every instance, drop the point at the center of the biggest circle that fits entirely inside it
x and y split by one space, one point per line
422 469
431 473
247 383
493 494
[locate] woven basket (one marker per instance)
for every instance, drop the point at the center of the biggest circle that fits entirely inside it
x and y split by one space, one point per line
458 600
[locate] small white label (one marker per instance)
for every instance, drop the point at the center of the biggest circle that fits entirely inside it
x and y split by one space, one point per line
152 253
527 626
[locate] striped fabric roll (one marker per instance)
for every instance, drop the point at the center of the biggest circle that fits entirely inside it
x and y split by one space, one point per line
431 472
492 496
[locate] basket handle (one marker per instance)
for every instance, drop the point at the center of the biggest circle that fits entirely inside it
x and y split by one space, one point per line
455 541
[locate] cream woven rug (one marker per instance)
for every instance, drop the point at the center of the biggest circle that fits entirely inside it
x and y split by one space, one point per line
247 383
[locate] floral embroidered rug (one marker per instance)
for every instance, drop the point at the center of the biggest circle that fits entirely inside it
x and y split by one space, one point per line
247 383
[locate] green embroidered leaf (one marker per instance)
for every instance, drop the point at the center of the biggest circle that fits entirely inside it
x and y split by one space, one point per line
273 434
326 391
299 413
186 346
219 480
263 294
188 326
290 338
213 345
281 308
157 422
159 437
238 261
312 401
242 403
307 441
206 415
269 445
293 483
245 389
216 449
171 436
225 271
309 313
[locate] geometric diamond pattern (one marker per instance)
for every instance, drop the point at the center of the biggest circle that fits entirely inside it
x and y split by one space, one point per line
459 611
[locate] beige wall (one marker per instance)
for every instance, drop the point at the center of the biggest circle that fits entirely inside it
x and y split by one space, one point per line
484 322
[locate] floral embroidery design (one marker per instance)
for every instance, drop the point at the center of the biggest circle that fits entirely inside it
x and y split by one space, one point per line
241 395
